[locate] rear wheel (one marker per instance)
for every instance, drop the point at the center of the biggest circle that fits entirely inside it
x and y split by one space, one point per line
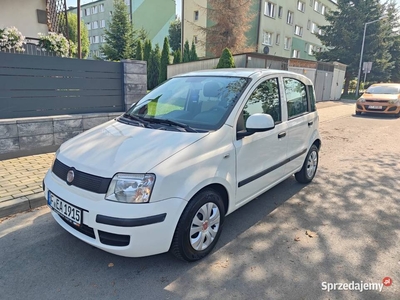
199 227
310 165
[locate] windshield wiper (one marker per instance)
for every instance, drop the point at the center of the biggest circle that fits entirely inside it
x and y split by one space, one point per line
171 123
139 120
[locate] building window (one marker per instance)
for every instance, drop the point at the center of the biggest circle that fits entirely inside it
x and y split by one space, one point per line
289 18
298 30
110 13
269 9
128 2
287 43
296 53
103 23
280 12
101 7
301 6
319 7
96 39
310 50
87 11
89 26
102 39
95 25
314 28
267 38
196 15
94 9
278 39
195 39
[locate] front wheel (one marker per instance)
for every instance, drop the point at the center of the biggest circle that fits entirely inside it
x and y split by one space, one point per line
310 165
199 227
358 113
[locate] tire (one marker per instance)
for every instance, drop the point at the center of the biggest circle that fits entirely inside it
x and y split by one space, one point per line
358 113
205 208
310 165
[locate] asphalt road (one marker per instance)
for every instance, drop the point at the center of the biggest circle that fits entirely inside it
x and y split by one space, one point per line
264 252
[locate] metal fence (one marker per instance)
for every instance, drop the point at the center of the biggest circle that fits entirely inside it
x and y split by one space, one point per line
41 86
30 47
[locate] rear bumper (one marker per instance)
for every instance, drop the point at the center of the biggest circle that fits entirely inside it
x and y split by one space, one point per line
383 108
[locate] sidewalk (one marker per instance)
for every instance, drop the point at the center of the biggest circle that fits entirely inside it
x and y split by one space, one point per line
21 183
21 178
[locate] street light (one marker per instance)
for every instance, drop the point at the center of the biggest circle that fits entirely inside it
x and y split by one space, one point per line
362 51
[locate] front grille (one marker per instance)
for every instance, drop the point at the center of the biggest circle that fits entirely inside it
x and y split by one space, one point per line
380 101
82 180
86 230
114 239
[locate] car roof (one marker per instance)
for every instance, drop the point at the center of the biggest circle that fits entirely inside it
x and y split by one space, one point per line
236 72
387 84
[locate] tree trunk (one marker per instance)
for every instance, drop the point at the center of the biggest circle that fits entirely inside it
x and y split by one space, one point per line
346 84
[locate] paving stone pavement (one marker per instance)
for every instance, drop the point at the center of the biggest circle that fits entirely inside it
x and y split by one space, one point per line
21 182
21 178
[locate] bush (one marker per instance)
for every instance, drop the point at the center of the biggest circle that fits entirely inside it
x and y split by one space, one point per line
56 43
11 38
226 60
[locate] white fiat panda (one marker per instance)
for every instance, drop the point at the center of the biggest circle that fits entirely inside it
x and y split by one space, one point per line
163 176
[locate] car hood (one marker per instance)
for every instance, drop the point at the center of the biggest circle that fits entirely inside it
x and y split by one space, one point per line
116 147
382 97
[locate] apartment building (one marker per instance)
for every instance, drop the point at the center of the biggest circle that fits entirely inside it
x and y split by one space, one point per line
154 16
285 28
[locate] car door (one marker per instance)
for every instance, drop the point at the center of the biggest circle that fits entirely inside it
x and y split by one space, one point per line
301 120
260 157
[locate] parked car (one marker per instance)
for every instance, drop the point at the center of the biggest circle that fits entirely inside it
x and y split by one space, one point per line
381 98
163 176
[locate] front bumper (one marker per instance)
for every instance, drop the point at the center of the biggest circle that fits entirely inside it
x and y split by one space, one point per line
132 230
370 107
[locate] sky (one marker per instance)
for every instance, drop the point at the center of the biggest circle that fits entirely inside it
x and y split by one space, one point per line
178 4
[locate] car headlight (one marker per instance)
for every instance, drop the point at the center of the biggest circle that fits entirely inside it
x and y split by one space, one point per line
394 101
361 99
131 188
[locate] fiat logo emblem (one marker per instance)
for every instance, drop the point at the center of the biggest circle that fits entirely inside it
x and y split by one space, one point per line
70 176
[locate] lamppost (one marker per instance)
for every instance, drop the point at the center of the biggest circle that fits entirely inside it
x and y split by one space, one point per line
362 51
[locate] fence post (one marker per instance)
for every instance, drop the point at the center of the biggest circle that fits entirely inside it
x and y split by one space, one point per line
135 81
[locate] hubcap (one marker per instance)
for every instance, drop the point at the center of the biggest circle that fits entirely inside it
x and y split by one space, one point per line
205 226
312 163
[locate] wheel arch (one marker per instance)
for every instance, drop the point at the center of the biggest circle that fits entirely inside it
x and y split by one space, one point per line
220 189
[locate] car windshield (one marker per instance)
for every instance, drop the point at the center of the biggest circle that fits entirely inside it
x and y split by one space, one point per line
383 90
194 103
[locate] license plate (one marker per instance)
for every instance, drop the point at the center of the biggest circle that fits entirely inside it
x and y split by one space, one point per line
64 209
374 107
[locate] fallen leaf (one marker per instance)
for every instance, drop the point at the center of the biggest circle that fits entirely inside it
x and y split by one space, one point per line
311 234
297 238
110 265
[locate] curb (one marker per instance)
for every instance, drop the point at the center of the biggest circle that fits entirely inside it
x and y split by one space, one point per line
22 204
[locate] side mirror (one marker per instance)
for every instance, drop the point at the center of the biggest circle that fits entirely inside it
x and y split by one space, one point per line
257 123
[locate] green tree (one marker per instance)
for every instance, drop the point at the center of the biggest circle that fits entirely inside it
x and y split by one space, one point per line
164 61
193 54
139 50
153 70
226 60
73 34
120 34
147 50
177 56
342 38
393 20
186 52
174 36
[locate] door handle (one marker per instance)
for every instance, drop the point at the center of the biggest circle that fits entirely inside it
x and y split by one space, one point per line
310 123
281 135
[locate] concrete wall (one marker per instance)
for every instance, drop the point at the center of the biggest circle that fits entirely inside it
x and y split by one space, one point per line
32 134
22 14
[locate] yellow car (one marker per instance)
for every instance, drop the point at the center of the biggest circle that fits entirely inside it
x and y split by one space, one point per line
382 98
